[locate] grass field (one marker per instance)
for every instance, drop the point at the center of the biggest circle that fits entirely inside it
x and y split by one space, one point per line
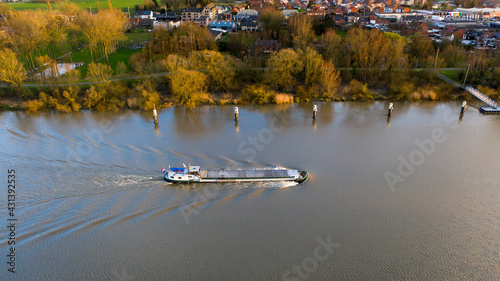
341 33
137 37
83 55
121 4
452 74
122 54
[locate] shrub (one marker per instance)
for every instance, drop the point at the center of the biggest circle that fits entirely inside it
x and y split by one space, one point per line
402 91
33 106
428 94
490 92
99 72
358 90
283 98
57 101
105 97
146 95
121 69
304 93
258 94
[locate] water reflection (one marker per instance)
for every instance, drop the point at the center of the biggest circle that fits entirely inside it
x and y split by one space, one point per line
116 193
157 130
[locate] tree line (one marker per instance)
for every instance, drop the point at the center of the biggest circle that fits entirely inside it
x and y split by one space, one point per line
315 60
32 37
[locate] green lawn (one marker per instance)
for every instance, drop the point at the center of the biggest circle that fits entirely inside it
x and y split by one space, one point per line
341 33
137 37
122 54
226 38
82 55
452 74
121 4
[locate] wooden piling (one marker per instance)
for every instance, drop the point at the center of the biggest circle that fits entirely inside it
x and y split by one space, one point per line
391 106
464 105
315 109
155 114
236 113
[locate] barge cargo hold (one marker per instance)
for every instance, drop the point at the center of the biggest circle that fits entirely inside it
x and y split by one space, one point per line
196 174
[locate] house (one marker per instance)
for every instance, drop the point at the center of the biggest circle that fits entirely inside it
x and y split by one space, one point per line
210 11
352 17
248 25
191 14
447 34
263 47
421 27
257 5
364 21
316 11
144 14
246 13
471 35
458 34
145 23
169 16
223 25
410 19
195 14
203 20
288 13
133 22
217 34
337 17
167 24
224 17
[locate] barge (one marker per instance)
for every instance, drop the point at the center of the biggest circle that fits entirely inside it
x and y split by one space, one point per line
196 174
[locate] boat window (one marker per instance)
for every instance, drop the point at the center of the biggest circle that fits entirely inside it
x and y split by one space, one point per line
179 178
171 177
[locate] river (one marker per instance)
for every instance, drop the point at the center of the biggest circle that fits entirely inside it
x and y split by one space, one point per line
415 196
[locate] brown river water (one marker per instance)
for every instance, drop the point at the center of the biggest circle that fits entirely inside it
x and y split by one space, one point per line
413 197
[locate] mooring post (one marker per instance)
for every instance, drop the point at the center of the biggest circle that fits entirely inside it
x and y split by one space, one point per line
391 106
155 114
315 109
236 113
464 105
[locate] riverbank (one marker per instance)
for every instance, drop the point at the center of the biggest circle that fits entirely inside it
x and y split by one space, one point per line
155 91
37 105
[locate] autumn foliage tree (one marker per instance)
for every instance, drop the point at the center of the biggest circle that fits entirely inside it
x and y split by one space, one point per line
372 52
420 48
271 21
311 62
182 40
27 34
187 87
283 67
219 69
300 28
102 31
333 49
12 71
329 79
